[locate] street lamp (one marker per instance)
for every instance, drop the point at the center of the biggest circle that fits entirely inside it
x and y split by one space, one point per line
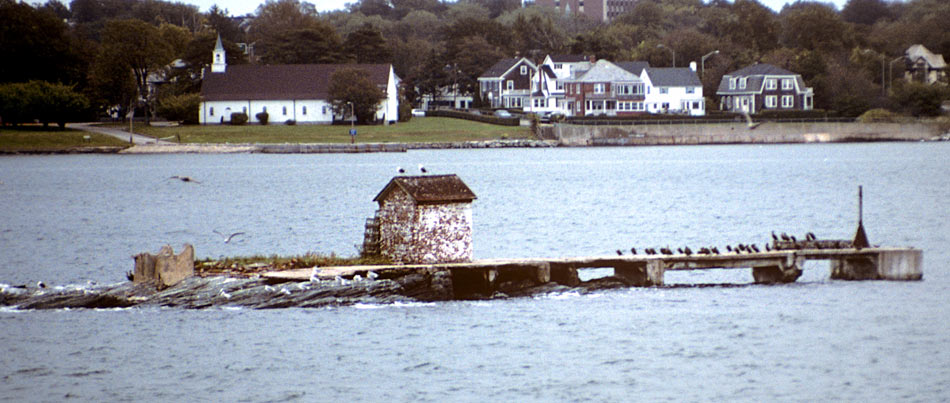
890 71
352 124
671 51
702 63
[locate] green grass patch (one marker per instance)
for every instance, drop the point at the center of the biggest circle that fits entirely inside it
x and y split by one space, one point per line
419 129
37 138
246 266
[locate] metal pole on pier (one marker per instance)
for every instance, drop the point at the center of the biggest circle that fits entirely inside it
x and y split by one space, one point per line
860 237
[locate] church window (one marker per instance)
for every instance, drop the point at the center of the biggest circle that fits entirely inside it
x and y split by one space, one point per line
304 110
264 109
211 111
285 111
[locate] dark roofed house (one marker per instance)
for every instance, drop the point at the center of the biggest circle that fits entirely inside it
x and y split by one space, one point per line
761 87
507 84
425 219
292 92
673 90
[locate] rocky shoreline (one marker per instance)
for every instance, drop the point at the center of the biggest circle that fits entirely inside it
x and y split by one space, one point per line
259 293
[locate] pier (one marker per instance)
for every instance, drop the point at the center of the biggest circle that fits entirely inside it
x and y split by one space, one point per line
484 277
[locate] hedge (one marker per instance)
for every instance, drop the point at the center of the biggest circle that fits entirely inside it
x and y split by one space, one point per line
513 121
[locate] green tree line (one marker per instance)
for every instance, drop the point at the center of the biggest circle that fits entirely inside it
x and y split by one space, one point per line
109 51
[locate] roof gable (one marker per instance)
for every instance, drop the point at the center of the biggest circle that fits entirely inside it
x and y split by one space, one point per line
282 81
760 69
429 189
933 60
500 69
605 71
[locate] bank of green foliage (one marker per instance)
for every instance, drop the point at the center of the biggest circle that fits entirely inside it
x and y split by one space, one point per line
919 99
513 121
262 117
405 111
879 115
238 118
180 108
41 101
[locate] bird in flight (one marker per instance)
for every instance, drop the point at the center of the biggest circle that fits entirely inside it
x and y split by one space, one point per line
184 179
228 237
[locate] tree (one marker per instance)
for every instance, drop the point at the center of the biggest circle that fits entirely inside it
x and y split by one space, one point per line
865 12
181 108
40 100
352 86
315 44
275 17
812 26
367 45
919 99
36 45
224 25
135 46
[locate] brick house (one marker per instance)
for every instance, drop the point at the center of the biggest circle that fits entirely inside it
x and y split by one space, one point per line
606 89
508 83
425 219
763 87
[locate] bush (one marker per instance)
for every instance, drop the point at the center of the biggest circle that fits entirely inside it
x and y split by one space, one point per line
478 118
43 101
181 108
262 117
290 122
238 118
405 111
879 115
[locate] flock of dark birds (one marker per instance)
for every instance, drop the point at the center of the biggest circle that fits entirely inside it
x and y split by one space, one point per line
789 240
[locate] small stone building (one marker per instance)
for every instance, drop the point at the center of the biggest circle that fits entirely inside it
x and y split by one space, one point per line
425 219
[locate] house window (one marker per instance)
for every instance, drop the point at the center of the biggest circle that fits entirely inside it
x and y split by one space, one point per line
690 90
557 66
788 101
324 110
787 84
599 88
666 106
638 106
510 85
664 90
742 82
771 101
515 102
304 110
212 111
732 83
524 70
771 84
696 105
560 86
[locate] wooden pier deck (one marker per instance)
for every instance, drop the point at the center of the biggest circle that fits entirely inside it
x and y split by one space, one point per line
777 266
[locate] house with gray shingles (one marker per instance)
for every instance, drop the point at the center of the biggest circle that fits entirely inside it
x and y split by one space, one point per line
763 87
425 219
606 89
290 92
924 66
507 84
673 90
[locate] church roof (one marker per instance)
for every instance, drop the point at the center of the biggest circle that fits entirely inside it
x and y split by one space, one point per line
430 189
280 82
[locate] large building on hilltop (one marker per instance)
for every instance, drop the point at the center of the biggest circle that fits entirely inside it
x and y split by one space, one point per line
600 10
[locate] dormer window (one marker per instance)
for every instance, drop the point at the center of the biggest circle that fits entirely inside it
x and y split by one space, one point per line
771 84
732 83
524 70
742 82
787 84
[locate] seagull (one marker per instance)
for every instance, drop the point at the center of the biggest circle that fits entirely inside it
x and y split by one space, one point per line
715 250
785 237
810 236
755 248
228 238
752 125
313 274
619 252
184 179
774 238
687 251
767 249
633 251
401 170
40 284
423 169
371 275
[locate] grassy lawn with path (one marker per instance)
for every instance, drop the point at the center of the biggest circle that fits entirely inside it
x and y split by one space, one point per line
419 129
35 138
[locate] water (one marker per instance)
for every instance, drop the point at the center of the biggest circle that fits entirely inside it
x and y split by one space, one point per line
73 219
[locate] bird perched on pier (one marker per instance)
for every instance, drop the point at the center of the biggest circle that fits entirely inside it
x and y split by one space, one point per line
679 250
767 249
714 250
728 248
184 179
666 251
755 248
687 251
423 169
633 251
785 237
792 238
774 237
619 252
810 236
40 284
401 170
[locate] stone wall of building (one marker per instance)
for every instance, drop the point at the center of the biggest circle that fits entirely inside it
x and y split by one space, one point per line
437 233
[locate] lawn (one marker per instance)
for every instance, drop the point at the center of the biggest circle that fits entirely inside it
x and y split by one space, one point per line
419 129
36 138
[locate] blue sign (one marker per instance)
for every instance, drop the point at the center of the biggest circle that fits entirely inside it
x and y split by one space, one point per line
352 132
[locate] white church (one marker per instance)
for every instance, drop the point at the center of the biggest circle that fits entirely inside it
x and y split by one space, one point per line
290 92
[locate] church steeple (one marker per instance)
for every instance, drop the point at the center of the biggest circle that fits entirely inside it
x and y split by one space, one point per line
218 63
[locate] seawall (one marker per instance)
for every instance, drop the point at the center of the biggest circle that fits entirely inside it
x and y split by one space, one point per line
739 133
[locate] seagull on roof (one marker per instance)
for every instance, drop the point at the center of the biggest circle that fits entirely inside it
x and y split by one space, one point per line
401 170
423 169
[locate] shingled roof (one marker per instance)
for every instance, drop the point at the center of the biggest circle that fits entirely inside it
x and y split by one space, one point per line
755 75
673 77
568 58
633 67
276 82
429 189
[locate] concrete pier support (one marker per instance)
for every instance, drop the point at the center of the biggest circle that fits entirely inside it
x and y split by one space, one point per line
899 264
643 274
166 268
787 272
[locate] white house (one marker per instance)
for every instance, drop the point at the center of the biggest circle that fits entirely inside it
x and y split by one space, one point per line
292 92
673 90
547 85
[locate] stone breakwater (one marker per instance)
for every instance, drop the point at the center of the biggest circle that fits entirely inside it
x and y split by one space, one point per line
320 148
740 133
259 293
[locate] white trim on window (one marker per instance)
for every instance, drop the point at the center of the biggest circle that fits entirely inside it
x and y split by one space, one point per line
599 88
524 69
771 84
788 101
771 101
732 83
510 85
787 84
742 82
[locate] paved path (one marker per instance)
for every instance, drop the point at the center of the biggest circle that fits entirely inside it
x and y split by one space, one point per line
119 134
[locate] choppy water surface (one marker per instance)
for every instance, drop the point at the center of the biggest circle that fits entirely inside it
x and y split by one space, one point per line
74 219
